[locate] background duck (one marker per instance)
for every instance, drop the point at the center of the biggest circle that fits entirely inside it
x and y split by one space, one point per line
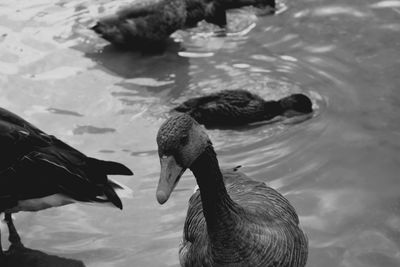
241 223
209 10
239 107
38 171
229 4
144 24
147 25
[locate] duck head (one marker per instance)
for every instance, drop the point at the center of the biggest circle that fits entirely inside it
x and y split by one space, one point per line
180 141
296 104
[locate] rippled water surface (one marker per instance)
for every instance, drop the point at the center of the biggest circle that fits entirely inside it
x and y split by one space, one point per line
340 168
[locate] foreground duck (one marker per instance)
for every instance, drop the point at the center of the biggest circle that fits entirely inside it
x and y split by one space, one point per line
239 107
147 25
239 223
38 171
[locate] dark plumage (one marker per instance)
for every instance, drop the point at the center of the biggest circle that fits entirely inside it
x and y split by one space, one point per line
147 25
144 24
228 4
38 171
231 220
239 107
209 10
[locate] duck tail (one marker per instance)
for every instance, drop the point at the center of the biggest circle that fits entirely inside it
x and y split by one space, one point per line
121 190
113 191
112 196
111 30
102 27
110 167
96 28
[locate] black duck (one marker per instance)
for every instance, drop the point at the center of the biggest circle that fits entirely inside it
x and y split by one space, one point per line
147 25
229 4
239 107
238 223
38 171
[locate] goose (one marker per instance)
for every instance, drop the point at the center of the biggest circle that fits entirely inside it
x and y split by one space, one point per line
147 25
39 171
240 107
237 223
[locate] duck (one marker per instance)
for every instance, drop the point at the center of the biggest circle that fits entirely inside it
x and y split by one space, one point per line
38 171
148 25
228 108
211 11
230 4
232 220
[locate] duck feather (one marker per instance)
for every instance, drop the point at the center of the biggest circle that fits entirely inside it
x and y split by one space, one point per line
35 165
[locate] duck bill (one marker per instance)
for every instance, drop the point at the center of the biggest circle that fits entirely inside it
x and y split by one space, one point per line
170 174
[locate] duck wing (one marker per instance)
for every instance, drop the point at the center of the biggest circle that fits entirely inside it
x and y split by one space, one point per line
257 197
228 107
36 165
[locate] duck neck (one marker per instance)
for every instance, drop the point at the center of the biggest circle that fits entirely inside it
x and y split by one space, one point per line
218 207
272 109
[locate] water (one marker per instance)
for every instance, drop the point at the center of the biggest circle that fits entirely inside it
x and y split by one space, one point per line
339 168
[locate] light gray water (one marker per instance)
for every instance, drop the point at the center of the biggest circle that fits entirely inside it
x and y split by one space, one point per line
340 168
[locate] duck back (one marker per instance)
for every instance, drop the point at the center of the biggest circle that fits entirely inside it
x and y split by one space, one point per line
225 108
143 25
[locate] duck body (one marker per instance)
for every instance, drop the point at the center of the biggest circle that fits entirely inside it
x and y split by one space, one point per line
232 220
234 108
143 25
230 4
209 10
38 171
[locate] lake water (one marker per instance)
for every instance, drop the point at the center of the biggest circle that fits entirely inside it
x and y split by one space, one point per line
340 168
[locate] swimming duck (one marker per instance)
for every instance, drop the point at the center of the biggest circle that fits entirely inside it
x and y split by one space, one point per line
229 4
209 10
239 107
144 24
240 222
147 25
38 171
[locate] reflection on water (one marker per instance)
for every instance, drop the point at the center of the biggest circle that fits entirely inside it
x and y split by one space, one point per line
339 168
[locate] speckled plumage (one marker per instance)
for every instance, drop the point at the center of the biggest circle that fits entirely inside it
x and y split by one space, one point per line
147 25
143 25
231 220
234 107
261 229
